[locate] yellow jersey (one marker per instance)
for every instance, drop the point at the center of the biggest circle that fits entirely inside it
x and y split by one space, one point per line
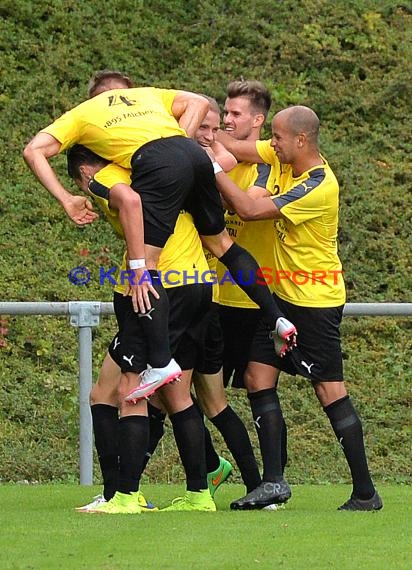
116 123
308 271
181 262
256 237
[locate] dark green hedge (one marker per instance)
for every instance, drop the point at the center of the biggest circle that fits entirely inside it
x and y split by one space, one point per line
349 60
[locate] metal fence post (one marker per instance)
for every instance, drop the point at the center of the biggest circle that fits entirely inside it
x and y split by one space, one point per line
84 316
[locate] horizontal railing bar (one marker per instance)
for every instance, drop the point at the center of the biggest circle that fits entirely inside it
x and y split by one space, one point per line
106 308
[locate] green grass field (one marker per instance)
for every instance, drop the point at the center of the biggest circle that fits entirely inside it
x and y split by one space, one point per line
41 530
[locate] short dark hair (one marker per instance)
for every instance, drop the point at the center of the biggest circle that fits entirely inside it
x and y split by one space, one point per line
213 104
100 78
77 156
259 97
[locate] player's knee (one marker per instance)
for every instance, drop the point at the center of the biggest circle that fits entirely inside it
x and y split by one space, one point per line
329 392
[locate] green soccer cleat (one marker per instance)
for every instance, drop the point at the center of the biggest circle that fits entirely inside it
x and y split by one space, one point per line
216 478
147 506
121 504
193 501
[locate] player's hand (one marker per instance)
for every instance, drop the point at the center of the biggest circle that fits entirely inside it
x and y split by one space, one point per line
80 210
141 288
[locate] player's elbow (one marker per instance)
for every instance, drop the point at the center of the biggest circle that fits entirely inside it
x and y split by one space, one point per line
246 215
203 103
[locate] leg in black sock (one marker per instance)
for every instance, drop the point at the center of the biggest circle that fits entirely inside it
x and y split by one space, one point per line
212 458
105 427
156 325
284 450
268 418
244 270
348 430
133 442
156 430
238 442
188 429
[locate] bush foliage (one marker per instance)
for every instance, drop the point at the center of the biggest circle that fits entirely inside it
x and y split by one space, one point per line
349 60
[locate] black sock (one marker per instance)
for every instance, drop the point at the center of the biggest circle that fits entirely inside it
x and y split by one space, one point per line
238 442
268 418
188 429
348 430
133 442
284 448
212 458
105 428
244 270
156 325
156 430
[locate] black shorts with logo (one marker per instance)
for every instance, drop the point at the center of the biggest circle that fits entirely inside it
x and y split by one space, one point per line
318 355
188 309
172 174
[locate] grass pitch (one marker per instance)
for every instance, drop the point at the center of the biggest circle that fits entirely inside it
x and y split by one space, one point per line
40 530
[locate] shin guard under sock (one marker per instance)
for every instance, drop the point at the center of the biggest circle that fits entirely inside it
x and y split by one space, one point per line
268 418
348 430
188 429
105 420
156 430
212 458
238 442
133 442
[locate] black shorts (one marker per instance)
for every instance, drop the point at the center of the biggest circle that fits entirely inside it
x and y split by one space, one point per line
188 309
239 327
210 356
172 174
128 347
318 355
188 320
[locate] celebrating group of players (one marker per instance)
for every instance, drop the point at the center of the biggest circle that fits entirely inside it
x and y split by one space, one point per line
172 183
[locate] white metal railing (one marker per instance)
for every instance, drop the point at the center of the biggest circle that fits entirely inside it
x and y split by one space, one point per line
86 314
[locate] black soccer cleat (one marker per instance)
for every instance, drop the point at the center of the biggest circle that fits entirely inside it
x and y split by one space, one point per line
354 504
267 493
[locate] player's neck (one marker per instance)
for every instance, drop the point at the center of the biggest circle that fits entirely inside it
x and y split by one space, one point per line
304 164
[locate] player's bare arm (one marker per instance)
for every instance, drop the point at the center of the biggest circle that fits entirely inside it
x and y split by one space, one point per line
189 109
247 208
224 157
37 154
243 150
128 203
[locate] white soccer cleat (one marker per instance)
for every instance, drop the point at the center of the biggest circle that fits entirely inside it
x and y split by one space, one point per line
97 500
153 379
284 336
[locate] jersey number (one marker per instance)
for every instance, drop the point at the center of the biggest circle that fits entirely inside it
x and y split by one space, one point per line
119 100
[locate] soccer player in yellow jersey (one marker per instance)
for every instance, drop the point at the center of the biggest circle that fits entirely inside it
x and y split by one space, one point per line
308 285
148 130
208 374
181 264
246 108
